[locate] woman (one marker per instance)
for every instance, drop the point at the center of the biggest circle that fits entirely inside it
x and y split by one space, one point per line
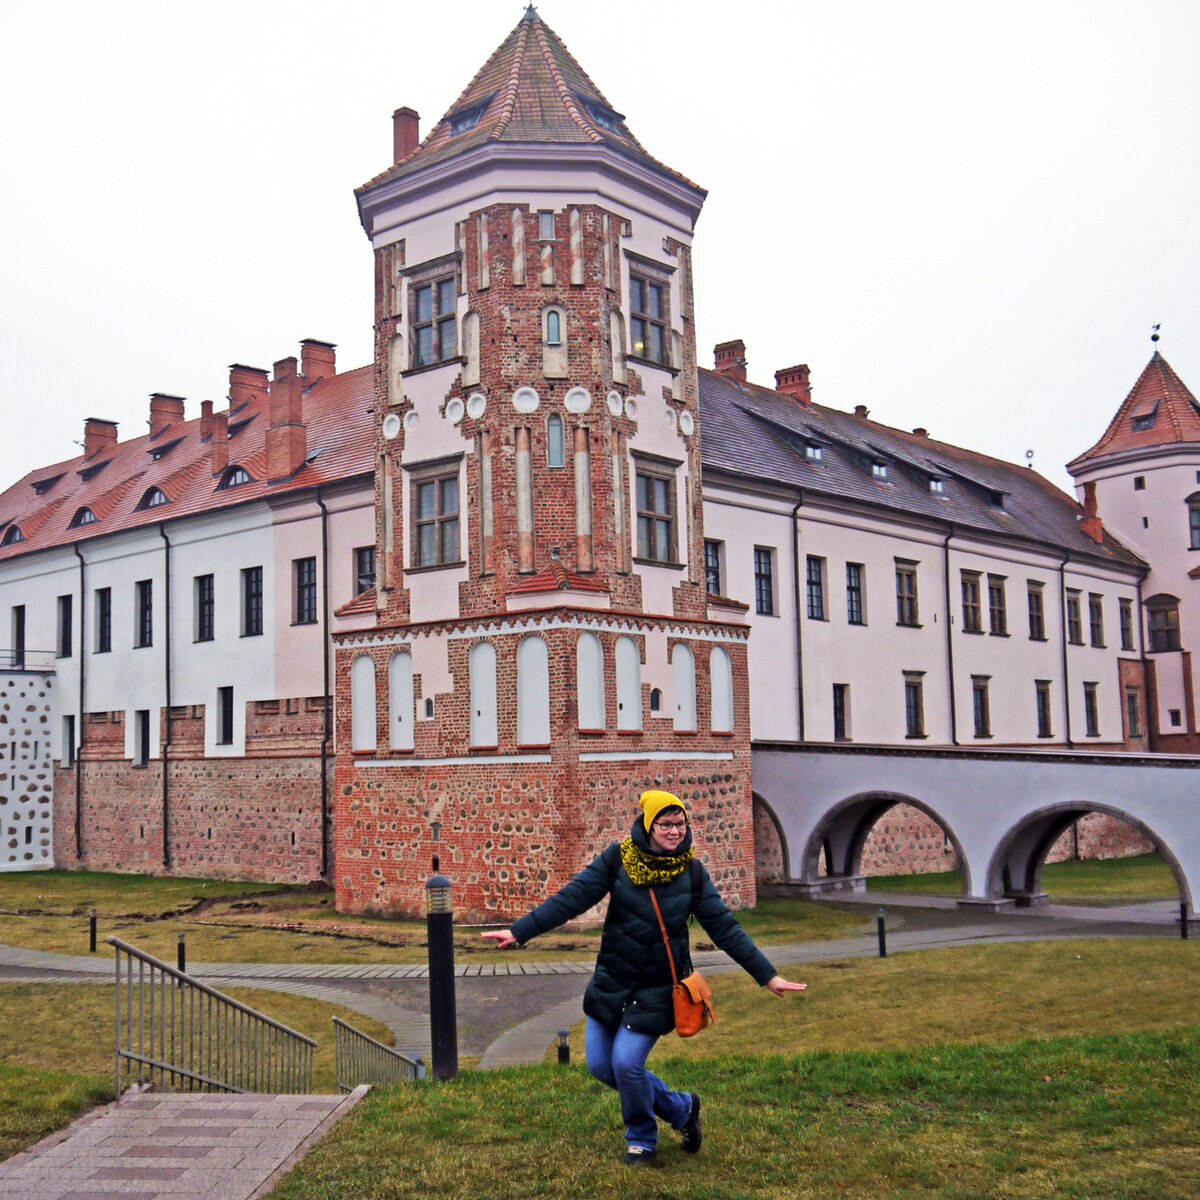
628 1002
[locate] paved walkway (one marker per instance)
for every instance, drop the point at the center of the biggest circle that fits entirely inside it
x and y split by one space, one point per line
163 1147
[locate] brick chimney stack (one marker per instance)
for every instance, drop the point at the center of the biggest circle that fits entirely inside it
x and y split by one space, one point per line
218 446
730 360
246 385
406 132
99 436
1091 524
862 412
793 381
317 361
287 437
165 411
206 420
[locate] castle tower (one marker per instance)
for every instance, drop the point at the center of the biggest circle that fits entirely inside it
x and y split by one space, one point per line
544 647
1142 481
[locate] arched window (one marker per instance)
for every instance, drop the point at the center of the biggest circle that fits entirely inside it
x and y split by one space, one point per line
720 678
629 685
153 498
533 692
555 445
589 681
362 704
1193 506
553 327
400 701
554 343
481 663
1162 622
655 701
12 535
84 516
234 477
683 679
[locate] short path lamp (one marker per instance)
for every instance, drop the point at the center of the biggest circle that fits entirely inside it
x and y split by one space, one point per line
443 1020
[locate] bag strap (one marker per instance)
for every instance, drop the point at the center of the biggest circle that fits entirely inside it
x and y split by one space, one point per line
666 940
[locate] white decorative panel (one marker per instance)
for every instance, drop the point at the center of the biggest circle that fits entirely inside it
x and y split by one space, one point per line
26 772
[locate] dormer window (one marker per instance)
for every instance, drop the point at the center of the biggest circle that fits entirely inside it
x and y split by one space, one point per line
605 118
937 487
90 472
153 498
1144 421
234 477
879 470
812 452
996 499
157 452
12 535
467 118
84 516
42 486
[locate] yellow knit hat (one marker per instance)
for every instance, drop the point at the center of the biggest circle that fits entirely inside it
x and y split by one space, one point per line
654 802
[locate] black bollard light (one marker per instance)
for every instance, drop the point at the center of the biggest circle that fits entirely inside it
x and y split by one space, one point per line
443 1019
92 932
181 955
564 1049
882 935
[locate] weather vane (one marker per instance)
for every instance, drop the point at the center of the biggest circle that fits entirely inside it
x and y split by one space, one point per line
1154 335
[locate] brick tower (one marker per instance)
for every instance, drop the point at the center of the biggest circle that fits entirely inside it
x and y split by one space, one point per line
545 646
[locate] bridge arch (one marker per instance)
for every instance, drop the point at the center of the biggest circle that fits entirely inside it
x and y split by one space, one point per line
842 831
1015 868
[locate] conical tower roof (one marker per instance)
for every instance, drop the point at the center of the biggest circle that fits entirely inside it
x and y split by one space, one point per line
1159 411
530 91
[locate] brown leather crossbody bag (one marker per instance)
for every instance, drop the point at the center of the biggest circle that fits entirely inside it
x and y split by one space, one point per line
690 995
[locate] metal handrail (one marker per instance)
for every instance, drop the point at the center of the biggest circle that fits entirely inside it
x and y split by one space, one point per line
186 1036
27 660
361 1059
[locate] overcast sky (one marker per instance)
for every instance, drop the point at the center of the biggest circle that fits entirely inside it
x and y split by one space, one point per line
963 215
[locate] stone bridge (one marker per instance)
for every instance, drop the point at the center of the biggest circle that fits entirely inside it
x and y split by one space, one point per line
1001 809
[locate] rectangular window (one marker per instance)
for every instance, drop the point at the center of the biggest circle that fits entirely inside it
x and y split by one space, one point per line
981 705
304 574
906 593
815 579
1091 710
68 740
65 608
432 320
997 607
1044 727
103 620
205 609
1162 621
914 704
364 569
764 581
655 516
971 604
1074 620
713 553
1096 618
855 608
141 737
1037 612
252 601
1125 609
143 614
648 319
435 519
841 705
18 636
1194 525
545 225
1133 713
224 716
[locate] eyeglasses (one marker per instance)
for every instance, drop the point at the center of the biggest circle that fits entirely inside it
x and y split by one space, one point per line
670 826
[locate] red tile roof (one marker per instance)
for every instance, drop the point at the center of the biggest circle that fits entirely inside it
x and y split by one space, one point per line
555 578
531 90
337 412
1161 402
364 602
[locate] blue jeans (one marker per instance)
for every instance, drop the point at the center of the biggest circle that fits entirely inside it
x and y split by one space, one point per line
617 1057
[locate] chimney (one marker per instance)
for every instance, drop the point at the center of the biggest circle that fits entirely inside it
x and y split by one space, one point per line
218 447
921 431
862 412
406 132
730 360
99 436
287 437
246 384
165 411
1091 524
317 361
206 420
793 381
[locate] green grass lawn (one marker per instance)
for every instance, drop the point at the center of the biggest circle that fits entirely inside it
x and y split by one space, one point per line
1142 877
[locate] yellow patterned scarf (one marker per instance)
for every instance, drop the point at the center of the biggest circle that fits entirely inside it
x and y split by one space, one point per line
648 869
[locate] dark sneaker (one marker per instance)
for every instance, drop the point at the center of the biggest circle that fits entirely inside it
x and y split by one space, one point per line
638 1156
692 1137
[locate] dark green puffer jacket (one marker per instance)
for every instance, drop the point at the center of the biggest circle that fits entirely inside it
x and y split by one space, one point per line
632 982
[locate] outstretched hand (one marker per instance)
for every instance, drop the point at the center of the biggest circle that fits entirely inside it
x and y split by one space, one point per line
502 937
779 986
